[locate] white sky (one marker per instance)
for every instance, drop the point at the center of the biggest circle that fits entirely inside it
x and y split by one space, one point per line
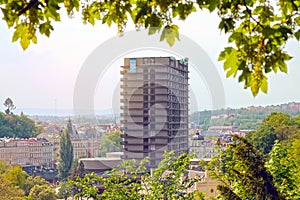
44 76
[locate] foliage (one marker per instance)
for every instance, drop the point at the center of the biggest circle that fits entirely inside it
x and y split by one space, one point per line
77 169
42 192
131 181
33 181
9 185
275 126
8 191
258 30
15 185
9 104
17 126
242 174
284 170
294 151
243 118
3 167
65 155
65 190
16 176
110 142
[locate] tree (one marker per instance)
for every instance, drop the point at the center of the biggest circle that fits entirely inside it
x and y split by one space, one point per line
17 126
241 170
276 126
9 104
9 186
65 155
258 30
42 192
77 169
131 181
16 176
284 170
110 142
3 167
33 181
10 192
66 190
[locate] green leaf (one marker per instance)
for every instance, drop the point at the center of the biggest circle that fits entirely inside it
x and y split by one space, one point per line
18 32
22 33
170 33
34 39
45 28
212 5
283 67
297 35
24 42
258 10
52 10
264 85
231 64
268 31
152 30
235 36
297 20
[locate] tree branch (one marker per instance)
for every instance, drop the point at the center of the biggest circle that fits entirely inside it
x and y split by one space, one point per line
30 5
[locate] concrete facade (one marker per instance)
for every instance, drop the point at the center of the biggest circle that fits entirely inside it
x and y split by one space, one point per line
154 107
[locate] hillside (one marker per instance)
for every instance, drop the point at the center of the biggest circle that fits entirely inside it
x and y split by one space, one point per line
244 118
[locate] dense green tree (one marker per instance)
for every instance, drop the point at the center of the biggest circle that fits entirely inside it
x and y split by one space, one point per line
258 30
241 170
65 155
31 182
294 151
9 186
130 181
110 142
3 167
263 138
276 126
9 191
296 121
17 126
42 192
284 170
16 176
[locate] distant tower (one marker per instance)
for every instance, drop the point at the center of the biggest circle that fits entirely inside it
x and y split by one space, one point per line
154 107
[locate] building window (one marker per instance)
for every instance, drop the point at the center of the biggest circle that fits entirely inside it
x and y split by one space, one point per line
152 147
152 60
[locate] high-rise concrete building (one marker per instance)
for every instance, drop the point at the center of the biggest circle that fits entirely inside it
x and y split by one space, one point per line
154 107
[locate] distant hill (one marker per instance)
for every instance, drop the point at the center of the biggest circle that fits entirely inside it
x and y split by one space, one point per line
244 118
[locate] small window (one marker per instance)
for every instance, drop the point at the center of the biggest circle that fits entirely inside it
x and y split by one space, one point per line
152 147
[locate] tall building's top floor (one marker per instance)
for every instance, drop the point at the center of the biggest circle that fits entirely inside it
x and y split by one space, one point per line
181 64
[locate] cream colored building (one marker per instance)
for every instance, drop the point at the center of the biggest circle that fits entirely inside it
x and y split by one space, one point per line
32 151
43 151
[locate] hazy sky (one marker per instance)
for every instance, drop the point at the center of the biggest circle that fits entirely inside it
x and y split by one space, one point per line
44 76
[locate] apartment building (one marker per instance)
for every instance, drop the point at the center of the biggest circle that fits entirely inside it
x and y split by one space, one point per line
154 107
32 151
